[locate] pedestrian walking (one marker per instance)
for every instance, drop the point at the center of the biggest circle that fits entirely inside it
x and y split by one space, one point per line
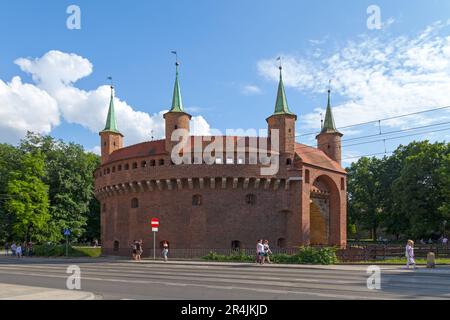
260 249
165 251
13 249
134 249
267 251
6 248
139 250
409 252
19 251
258 257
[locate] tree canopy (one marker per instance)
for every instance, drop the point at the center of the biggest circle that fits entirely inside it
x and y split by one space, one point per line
404 195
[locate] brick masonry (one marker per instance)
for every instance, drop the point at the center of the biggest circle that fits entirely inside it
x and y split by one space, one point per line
215 206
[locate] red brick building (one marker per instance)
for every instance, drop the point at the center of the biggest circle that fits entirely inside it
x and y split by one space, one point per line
229 203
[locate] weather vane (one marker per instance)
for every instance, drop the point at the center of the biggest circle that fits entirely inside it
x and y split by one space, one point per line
111 82
280 66
176 58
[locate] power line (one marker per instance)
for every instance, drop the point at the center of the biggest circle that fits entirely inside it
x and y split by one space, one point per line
383 134
381 140
380 120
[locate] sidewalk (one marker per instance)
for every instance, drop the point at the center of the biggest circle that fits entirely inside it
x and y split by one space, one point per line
16 292
344 267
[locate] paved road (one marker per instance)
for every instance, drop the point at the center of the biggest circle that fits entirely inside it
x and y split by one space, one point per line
120 279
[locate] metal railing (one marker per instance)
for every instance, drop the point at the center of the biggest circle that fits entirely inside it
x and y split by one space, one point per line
352 253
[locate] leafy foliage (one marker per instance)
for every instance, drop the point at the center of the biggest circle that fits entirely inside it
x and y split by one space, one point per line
305 255
64 173
405 195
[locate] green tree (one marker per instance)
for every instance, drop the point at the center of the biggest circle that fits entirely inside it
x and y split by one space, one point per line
27 203
364 207
69 175
421 190
9 162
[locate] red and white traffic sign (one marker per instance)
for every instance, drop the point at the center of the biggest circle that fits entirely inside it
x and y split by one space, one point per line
155 224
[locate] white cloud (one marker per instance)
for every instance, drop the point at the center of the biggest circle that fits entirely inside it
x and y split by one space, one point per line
376 77
251 90
24 107
55 94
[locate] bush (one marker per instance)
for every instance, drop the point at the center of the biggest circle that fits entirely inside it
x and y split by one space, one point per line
305 255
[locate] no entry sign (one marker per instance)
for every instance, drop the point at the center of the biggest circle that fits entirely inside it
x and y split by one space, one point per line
155 224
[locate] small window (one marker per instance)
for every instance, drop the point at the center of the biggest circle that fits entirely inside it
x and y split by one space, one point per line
306 176
108 171
176 127
114 143
119 167
240 161
127 167
342 184
143 164
135 165
135 203
281 243
152 163
197 200
161 162
116 246
218 160
250 199
113 169
288 161
230 161
104 144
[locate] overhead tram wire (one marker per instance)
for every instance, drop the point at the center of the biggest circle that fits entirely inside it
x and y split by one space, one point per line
384 139
379 120
382 134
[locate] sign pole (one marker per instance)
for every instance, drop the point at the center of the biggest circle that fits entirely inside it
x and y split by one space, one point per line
154 245
67 245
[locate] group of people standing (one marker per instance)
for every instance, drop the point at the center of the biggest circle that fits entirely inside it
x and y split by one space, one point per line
19 250
263 252
138 249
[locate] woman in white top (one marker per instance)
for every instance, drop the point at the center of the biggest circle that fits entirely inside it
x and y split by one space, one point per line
409 252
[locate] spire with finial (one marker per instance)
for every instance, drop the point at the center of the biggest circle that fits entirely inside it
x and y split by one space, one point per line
328 124
111 124
281 105
177 103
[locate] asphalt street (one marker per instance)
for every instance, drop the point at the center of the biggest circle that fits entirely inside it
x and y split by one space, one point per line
122 279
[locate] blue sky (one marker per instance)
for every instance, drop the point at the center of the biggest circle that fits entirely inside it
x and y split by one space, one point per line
227 51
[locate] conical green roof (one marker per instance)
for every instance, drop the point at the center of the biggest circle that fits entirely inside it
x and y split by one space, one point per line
281 105
328 124
111 124
177 102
